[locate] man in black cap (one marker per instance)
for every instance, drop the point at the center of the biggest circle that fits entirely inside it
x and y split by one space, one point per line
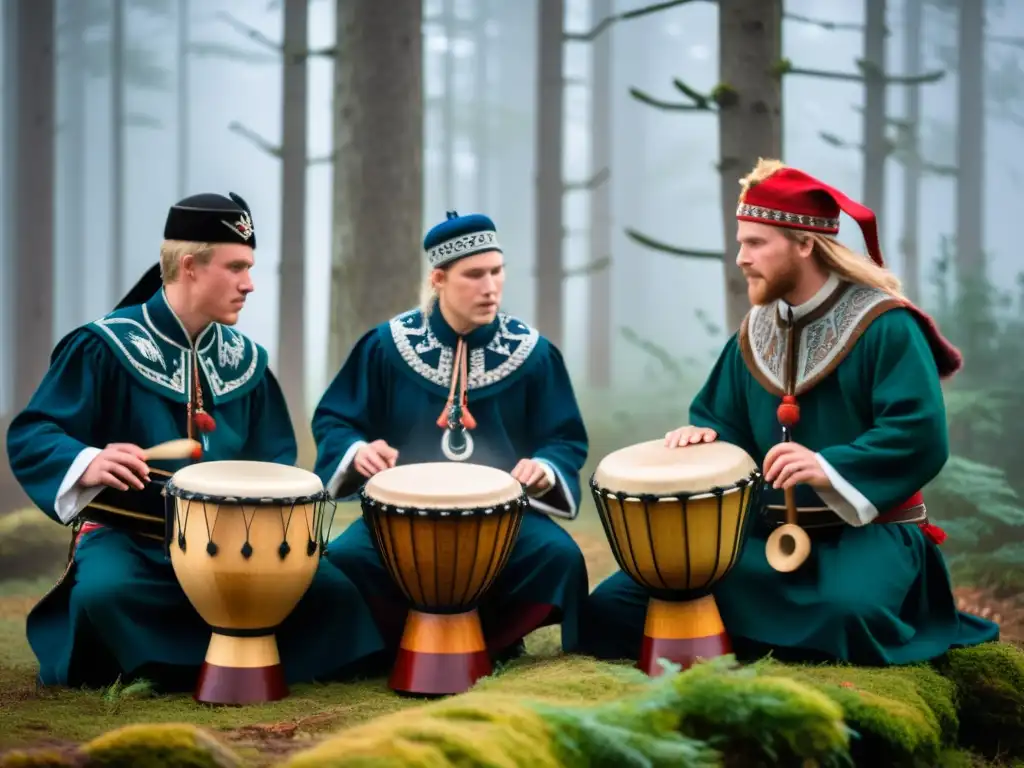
165 364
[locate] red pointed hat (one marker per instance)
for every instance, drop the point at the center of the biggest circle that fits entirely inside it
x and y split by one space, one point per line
779 196
792 198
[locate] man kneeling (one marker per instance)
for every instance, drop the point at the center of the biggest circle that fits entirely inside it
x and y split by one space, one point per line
855 368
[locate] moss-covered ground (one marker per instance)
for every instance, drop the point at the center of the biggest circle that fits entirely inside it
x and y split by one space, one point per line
966 710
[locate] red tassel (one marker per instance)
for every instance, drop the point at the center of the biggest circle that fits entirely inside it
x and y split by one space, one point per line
467 418
205 422
935 534
788 413
442 420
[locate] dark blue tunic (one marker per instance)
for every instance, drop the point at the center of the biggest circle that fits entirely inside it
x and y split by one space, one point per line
393 387
119 609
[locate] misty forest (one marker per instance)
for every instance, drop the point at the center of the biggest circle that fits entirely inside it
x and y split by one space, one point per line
606 138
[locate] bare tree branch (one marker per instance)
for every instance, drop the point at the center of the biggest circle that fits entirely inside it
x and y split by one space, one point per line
321 160
262 143
221 51
328 53
672 250
646 98
838 143
587 37
831 26
855 77
590 184
589 268
1016 42
250 32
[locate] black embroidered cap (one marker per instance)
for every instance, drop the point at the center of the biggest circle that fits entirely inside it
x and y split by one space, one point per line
211 218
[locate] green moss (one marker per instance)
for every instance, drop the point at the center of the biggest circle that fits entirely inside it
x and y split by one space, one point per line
901 715
989 682
476 729
565 678
38 758
169 745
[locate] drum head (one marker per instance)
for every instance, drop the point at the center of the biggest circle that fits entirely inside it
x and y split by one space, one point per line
653 468
443 485
246 479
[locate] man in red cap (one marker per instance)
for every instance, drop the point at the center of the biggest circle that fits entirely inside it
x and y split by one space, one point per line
832 352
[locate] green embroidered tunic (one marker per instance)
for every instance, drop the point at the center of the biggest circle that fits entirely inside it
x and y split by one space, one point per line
119 610
872 409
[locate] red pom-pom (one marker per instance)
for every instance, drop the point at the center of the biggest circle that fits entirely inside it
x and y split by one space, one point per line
197 452
442 420
205 422
935 534
788 413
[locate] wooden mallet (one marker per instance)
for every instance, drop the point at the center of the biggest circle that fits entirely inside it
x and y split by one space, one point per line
175 449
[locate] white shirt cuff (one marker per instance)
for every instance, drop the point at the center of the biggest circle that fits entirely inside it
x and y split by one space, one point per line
843 499
340 475
72 498
558 486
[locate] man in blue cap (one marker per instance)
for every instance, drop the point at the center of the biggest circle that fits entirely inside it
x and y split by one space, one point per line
165 364
457 380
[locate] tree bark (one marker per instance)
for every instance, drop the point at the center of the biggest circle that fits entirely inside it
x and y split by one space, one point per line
117 121
875 150
291 327
183 91
970 194
599 321
377 260
750 118
73 187
912 34
548 200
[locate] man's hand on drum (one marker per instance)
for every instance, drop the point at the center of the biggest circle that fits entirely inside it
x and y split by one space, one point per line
788 464
374 457
689 435
120 466
531 474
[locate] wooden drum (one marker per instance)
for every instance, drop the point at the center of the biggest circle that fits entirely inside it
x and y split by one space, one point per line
444 532
245 539
675 519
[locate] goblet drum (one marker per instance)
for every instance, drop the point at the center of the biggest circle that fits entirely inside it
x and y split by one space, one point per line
675 519
245 539
444 531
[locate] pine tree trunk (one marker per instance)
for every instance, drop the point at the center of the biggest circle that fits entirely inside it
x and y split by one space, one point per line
750 118
599 321
912 34
550 185
875 146
377 261
117 124
183 91
291 335
970 142
73 184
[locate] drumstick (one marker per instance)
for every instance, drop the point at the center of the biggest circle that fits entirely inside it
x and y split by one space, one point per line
174 449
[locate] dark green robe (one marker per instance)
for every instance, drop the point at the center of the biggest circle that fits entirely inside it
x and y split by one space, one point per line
870 593
393 386
119 609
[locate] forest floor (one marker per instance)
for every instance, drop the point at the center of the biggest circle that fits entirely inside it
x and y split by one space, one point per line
63 719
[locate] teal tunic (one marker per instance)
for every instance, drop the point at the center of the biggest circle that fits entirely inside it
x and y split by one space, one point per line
119 610
393 386
870 593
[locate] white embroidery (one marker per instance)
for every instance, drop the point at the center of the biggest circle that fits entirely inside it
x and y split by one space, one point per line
147 348
175 382
821 340
411 334
229 353
218 386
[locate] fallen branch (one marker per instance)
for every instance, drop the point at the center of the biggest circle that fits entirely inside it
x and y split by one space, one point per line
672 250
636 13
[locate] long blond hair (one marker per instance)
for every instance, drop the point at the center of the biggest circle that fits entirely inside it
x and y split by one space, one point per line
829 252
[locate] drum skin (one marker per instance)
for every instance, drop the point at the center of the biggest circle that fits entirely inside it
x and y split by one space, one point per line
220 508
675 517
443 530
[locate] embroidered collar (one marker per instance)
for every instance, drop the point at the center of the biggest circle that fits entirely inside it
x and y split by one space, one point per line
425 348
827 327
152 344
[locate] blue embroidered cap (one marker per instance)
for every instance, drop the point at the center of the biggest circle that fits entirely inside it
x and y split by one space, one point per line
458 237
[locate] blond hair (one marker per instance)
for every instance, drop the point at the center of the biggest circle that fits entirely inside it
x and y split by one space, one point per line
828 252
173 251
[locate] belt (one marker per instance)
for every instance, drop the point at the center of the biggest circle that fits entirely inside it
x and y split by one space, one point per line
912 510
141 513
